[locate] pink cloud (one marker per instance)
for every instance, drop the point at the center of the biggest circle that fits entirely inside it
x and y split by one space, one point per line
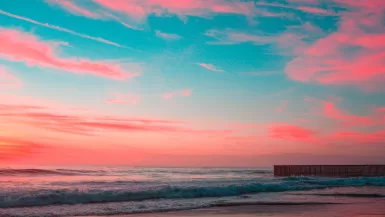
210 67
131 8
325 61
357 137
133 13
123 99
374 5
298 6
352 55
167 36
94 13
182 93
74 8
288 131
8 80
83 124
139 10
314 10
343 118
88 123
23 47
327 65
331 111
13 148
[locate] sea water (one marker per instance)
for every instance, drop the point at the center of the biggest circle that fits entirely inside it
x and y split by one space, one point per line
76 191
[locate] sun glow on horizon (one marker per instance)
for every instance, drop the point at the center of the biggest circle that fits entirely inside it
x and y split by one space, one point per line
208 83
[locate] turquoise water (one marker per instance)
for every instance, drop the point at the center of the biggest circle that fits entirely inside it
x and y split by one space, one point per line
119 190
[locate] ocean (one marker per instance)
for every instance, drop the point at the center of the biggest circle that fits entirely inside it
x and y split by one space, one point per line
82 191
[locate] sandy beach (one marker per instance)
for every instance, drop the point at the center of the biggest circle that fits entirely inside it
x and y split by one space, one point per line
374 209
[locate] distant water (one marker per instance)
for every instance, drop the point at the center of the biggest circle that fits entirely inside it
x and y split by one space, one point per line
118 190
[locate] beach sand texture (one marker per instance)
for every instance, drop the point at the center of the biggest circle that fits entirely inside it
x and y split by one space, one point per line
374 209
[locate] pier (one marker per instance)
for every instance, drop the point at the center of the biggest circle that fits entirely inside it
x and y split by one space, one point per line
330 170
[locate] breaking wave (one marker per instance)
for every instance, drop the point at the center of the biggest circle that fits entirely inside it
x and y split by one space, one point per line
77 196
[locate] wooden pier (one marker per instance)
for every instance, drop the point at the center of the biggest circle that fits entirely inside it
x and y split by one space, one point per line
330 170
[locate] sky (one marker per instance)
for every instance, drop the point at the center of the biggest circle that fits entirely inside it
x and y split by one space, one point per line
192 82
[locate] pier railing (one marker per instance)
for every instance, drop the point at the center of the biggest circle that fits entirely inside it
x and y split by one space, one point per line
330 170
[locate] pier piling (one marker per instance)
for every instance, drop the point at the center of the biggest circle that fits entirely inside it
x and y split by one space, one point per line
330 170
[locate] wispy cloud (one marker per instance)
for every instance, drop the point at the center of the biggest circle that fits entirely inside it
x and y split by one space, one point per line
330 110
182 93
92 124
287 131
74 8
286 43
187 7
123 99
323 57
350 55
210 67
46 118
358 137
304 8
167 36
121 21
133 13
13 148
8 80
61 29
24 47
230 36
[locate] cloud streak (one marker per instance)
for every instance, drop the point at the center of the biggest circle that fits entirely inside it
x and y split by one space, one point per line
83 124
23 47
87 124
303 8
180 93
352 55
73 8
210 67
123 99
285 43
134 13
330 110
61 29
168 36
139 10
13 148
8 80
286 131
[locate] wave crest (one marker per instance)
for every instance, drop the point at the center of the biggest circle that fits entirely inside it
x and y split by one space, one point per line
76 196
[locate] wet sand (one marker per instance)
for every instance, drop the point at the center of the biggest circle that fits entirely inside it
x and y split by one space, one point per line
373 209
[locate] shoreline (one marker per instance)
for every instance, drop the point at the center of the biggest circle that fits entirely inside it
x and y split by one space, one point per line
311 209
